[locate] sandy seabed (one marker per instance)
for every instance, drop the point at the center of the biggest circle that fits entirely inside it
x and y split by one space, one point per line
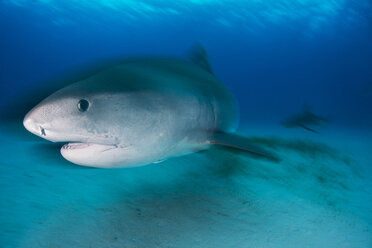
319 195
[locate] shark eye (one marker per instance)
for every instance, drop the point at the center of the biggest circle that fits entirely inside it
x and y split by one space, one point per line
83 105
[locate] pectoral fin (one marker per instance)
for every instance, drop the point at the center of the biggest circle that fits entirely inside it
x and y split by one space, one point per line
309 129
244 144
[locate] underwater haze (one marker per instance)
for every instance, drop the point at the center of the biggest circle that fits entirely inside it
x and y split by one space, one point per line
301 72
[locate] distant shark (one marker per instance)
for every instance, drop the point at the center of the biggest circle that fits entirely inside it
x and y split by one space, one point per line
141 111
305 119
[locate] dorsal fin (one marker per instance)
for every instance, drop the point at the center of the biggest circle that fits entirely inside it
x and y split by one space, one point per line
200 57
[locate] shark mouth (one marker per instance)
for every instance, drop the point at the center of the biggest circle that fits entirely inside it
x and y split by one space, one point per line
90 146
91 154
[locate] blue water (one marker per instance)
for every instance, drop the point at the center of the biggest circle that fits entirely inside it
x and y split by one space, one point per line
275 56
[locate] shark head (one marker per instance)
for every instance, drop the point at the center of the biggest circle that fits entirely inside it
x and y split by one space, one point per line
102 128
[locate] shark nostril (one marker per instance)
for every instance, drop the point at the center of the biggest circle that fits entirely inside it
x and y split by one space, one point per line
42 130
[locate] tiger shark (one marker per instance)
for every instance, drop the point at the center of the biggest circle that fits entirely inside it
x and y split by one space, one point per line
304 119
140 111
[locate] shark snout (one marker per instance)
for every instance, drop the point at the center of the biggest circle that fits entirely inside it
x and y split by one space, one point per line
32 126
31 123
